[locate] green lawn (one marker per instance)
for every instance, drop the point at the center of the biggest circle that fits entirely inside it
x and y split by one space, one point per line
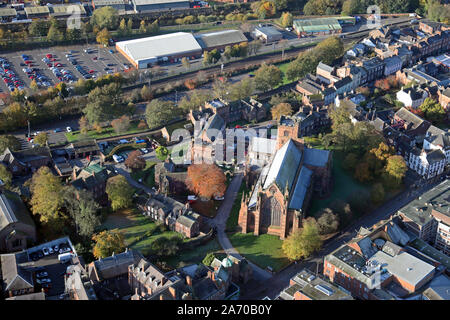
134 227
147 174
106 133
232 220
344 186
263 250
187 257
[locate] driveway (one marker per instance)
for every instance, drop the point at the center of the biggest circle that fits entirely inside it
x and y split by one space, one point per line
220 222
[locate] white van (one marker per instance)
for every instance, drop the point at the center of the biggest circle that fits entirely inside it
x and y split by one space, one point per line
117 159
65 257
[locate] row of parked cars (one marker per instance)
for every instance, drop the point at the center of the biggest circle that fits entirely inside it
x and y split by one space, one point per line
8 75
42 278
57 68
33 73
46 251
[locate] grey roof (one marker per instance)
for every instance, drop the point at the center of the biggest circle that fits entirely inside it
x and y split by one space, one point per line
435 155
404 266
220 38
270 31
160 46
115 265
316 157
410 117
301 187
391 248
438 136
13 210
438 288
186 220
147 2
32 296
325 67
283 167
214 122
419 210
15 277
263 145
8 12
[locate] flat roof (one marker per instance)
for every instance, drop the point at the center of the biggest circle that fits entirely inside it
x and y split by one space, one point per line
271 31
220 38
317 24
148 2
160 46
404 266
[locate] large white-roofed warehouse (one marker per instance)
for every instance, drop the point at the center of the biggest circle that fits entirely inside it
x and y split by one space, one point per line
145 52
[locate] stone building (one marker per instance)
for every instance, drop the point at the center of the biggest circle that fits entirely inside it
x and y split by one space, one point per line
281 195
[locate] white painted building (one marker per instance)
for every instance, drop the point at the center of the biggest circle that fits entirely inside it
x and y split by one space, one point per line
412 97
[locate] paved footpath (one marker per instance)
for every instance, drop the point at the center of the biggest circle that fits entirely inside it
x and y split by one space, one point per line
220 222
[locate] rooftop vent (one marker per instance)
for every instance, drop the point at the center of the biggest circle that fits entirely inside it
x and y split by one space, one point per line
311 278
409 269
324 289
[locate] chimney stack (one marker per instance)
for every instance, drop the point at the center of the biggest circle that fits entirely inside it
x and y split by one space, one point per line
172 292
189 281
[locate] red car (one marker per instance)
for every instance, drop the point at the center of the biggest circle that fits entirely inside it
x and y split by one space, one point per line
49 65
28 62
58 65
52 59
91 71
49 55
94 58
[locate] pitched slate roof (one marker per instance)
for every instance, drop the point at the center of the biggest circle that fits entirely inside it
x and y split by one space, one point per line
301 187
13 210
284 165
15 277
316 157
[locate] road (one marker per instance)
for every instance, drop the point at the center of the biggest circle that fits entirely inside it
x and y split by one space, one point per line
273 286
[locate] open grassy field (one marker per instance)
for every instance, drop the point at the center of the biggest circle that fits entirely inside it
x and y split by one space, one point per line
106 133
134 227
263 250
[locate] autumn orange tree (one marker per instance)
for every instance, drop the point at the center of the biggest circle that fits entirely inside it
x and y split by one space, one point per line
206 180
135 160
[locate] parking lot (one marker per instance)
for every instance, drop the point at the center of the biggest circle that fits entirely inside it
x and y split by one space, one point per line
96 62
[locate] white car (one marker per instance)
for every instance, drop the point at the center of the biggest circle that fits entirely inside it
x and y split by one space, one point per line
192 198
69 129
50 250
144 150
45 251
219 198
117 159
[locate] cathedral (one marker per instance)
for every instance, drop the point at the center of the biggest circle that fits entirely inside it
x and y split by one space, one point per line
281 194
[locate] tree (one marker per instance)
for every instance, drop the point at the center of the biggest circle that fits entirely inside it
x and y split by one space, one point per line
282 109
267 77
209 258
46 196
162 153
350 7
286 19
54 34
206 180
103 37
119 192
328 222
362 172
142 28
84 125
108 242
41 138
146 93
159 112
350 162
129 26
5 175
166 247
121 125
9 141
105 17
301 244
377 193
123 28
243 89
220 87
82 208
33 85
396 167
433 111
135 160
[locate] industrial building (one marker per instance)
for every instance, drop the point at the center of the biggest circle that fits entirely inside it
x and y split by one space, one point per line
116 4
220 39
145 52
267 34
317 26
159 5
65 11
37 12
7 14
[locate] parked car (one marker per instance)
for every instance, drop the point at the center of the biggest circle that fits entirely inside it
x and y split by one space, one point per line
45 251
144 150
117 158
69 129
42 274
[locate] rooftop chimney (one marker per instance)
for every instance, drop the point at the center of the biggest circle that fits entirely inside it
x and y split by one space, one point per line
189 281
172 292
